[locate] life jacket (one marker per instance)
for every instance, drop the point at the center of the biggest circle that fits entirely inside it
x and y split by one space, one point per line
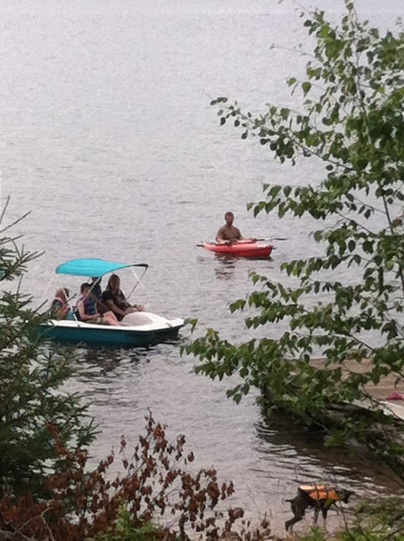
89 307
321 492
58 308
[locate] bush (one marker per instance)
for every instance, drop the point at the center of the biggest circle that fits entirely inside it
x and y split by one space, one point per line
155 485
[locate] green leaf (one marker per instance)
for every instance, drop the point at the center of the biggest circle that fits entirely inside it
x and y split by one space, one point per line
306 86
341 301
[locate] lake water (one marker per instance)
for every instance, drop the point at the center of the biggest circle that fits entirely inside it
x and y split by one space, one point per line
108 138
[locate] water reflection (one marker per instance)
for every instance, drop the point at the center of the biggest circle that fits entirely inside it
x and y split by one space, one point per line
103 375
297 457
166 207
107 360
225 265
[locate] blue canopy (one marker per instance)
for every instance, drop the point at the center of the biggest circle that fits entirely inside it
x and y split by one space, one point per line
93 267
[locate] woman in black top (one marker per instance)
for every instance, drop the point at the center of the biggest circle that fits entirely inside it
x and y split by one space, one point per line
116 300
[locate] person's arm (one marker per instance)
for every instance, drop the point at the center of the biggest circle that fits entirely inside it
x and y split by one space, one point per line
127 306
219 237
101 306
137 307
83 316
115 309
124 303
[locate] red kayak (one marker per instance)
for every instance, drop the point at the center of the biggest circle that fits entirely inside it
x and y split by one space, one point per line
241 248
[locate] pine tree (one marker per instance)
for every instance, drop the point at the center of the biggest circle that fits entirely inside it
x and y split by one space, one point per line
37 415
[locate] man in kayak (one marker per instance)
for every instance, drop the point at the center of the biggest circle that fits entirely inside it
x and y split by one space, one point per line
228 233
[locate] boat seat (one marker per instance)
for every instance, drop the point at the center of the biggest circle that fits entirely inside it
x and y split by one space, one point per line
135 319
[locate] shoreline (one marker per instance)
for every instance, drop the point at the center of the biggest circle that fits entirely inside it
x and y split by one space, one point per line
382 391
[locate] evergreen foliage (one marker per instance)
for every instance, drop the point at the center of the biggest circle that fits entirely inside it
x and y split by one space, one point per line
34 407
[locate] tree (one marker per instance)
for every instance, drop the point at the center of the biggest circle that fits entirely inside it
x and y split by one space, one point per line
35 411
351 123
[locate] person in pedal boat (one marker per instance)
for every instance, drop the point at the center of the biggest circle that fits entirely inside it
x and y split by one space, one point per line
116 300
228 233
60 308
96 293
87 309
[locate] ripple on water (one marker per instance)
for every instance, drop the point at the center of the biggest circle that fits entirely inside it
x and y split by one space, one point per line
265 460
109 139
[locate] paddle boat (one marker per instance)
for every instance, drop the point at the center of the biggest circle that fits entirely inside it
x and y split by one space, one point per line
250 248
138 329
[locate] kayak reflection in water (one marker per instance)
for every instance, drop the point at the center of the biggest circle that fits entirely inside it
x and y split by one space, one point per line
228 233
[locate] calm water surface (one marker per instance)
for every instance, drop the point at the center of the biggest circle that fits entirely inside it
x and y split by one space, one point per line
107 136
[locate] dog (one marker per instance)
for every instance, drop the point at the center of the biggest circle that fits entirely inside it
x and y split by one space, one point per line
319 497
